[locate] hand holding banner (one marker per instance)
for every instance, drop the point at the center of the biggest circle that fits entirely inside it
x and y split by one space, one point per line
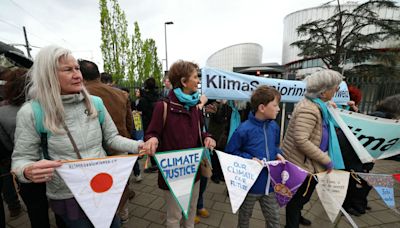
179 169
98 184
240 175
286 179
371 137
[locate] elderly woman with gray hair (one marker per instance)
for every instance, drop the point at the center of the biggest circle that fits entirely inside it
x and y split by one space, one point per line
310 141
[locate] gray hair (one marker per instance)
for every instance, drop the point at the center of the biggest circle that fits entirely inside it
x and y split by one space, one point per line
46 89
321 81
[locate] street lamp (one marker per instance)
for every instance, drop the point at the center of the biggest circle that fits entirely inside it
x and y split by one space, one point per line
166 52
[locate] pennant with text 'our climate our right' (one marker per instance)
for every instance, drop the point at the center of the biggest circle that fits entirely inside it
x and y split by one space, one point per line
383 184
286 179
98 184
332 190
179 169
240 175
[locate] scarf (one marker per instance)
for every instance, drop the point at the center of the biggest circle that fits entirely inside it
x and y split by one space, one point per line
187 100
333 149
235 120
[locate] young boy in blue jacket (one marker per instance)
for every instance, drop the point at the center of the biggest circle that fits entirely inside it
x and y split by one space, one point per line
258 138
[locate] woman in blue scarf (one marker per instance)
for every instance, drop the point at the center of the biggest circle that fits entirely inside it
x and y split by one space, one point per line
310 141
176 124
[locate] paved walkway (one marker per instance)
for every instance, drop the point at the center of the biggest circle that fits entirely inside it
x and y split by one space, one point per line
147 209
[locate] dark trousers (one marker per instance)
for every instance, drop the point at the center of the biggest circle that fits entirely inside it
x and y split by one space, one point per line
35 199
2 215
295 205
10 195
357 194
216 167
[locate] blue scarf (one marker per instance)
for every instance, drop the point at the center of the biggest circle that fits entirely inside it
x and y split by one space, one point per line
187 100
235 120
334 149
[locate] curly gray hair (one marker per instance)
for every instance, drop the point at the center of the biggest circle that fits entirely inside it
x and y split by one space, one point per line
321 81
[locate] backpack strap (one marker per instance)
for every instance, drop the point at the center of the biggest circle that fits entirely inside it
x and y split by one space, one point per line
44 133
99 105
39 117
40 129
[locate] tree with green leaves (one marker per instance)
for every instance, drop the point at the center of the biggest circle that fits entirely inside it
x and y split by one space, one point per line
135 58
151 66
130 61
115 41
348 34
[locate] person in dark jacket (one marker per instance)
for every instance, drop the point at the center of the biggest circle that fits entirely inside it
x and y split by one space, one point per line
149 97
258 139
179 130
33 194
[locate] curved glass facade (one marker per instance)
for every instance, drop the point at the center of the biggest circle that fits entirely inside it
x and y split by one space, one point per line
293 20
238 55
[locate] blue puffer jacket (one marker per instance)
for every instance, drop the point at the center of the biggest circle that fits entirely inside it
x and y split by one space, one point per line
250 140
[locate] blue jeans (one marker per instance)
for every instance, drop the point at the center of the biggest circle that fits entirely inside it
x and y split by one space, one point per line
203 186
136 169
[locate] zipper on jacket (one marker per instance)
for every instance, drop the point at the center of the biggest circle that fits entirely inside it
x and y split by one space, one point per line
266 141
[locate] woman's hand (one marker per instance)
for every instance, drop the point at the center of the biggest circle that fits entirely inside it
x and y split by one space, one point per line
333 104
279 157
41 171
353 106
150 146
203 101
209 143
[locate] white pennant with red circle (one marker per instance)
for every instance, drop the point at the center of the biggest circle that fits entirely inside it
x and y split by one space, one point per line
98 184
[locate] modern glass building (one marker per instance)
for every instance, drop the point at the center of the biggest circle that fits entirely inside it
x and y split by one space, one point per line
238 55
301 66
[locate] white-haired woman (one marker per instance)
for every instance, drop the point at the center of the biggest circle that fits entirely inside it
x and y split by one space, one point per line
310 141
73 130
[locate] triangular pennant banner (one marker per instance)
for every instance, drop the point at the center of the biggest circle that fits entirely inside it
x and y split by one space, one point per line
98 184
383 184
397 176
240 175
332 189
286 179
179 169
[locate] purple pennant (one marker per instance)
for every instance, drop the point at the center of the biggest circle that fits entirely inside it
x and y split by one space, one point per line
286 179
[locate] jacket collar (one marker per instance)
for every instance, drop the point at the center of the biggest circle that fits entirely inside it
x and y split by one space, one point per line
255 121
72 98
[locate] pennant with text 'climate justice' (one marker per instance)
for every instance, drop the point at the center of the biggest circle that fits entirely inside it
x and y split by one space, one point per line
383 184
219 84
371 137
286 179
332 190
179 169
397 176
240 175
98 184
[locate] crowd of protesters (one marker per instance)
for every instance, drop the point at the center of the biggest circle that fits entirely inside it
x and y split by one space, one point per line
68 93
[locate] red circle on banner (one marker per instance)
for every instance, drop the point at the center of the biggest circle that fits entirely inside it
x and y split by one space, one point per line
102 182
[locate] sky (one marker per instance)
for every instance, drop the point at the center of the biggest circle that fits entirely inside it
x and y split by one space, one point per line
201 27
